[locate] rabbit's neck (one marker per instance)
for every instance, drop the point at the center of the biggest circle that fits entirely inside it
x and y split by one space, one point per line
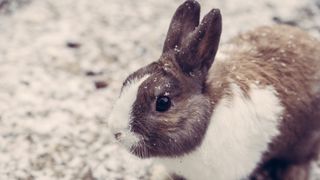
234 143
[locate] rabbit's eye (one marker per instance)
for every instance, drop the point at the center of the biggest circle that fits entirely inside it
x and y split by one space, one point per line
163 103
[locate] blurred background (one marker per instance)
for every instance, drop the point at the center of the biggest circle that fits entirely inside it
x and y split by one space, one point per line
62 63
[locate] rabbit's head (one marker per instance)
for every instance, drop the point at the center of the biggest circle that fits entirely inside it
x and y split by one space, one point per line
164 108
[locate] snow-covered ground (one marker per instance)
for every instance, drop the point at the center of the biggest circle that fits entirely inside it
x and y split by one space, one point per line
62 63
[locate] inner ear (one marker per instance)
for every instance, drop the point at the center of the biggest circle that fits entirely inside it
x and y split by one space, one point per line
184 21
208 46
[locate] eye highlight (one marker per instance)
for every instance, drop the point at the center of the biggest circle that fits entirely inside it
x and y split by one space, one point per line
163 103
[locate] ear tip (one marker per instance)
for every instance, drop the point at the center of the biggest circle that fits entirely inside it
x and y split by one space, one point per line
191 4
215 12
213 16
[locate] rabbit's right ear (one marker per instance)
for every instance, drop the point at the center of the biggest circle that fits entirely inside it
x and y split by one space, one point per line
184 21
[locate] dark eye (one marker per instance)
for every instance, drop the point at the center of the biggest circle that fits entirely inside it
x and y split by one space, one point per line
163 103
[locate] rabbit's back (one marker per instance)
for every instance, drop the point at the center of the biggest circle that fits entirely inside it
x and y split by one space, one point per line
284 57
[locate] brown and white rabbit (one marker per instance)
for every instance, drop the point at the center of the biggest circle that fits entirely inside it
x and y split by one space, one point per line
251 112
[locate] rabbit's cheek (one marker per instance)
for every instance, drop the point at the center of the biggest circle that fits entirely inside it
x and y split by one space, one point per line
120 117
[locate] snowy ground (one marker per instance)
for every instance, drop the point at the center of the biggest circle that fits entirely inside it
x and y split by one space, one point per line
62 63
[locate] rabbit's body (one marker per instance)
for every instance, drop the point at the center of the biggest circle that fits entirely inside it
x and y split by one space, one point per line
254 113
264 86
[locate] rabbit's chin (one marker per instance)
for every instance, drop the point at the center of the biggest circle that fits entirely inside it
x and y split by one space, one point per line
140 150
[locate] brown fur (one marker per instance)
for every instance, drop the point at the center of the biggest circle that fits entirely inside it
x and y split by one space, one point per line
172 133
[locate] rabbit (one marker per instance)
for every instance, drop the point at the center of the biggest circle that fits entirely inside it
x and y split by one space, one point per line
248 111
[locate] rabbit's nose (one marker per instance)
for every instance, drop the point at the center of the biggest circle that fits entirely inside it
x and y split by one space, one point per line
118 135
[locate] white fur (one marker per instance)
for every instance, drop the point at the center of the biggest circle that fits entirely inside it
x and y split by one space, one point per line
159 172
120 116
238 135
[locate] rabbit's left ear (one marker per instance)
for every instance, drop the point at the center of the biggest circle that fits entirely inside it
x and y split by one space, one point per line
184 21
199 48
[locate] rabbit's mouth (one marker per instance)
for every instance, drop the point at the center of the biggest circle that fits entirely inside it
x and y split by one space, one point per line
126 138
133 142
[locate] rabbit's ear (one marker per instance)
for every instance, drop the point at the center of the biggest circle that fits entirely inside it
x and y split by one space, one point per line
199 49
184 21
